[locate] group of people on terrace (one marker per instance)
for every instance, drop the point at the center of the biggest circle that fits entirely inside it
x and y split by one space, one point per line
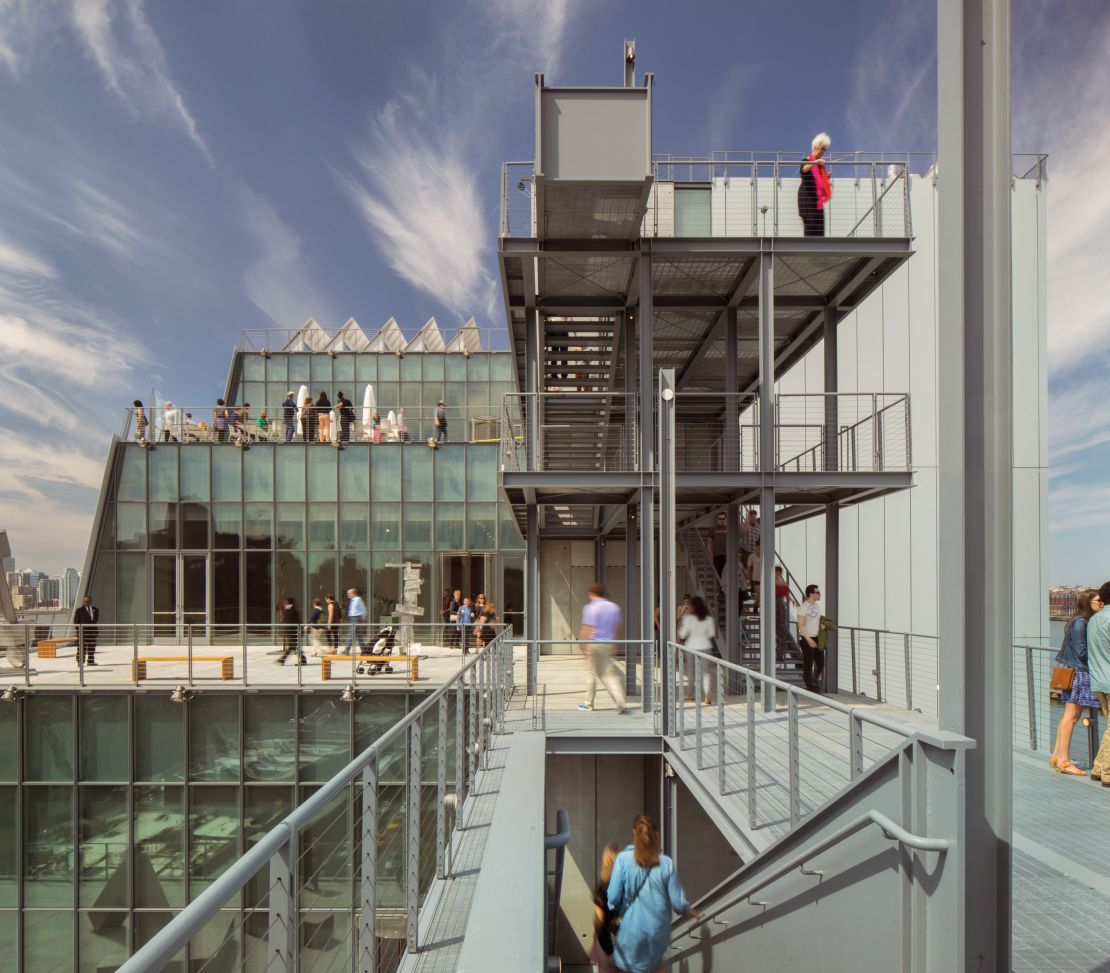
1082 676
467 620
311 420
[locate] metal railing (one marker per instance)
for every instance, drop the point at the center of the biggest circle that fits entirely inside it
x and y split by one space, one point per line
1037 709
569 432
807 757
871 431
295 341
900 668
177 652
347 874
240 426
716 432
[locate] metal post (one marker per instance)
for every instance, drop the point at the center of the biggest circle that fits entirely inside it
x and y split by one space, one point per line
878 670
282 935
1031 695
793 757
646 383
855 668
460 746
667 519
908 671
697 705
412 800
750 755
680 695
720 729
189 646
767 464
855 745
368 896
532 596
831 591
441 783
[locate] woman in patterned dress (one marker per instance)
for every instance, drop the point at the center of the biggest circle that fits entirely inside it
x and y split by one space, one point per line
1073 654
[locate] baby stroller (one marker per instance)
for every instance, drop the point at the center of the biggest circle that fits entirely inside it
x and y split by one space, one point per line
383 645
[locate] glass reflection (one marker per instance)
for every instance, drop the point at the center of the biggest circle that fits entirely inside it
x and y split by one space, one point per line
195 472
48 846
159 858
213 834
450 472
268 752
481 526
130 526
47 940
163 526
325 737
385 467
132 474
104 737
159 738
354 471
162 473
290 473
49 737
419 480
227 474
353 527
102 847
214 737
290 526
321 526
385 524
322 474
9 847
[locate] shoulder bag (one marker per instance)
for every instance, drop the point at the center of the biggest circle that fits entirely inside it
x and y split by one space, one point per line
1062 678
615 920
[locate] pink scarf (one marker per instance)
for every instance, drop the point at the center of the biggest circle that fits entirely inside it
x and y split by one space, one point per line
822 181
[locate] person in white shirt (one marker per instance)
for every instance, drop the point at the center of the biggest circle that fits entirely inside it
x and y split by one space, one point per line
171 424
698 632
809 627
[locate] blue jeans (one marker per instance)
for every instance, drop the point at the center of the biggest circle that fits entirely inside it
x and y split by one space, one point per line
289 430
354 631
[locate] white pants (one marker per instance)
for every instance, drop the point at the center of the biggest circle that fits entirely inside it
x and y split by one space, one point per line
602 669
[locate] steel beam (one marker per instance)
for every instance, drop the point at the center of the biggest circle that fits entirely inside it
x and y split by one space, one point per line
767 462
832 510
732 421
667 529
975 463
532 595
646 389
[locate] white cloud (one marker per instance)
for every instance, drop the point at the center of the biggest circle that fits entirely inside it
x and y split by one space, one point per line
24 262
278 280
117 38
525 35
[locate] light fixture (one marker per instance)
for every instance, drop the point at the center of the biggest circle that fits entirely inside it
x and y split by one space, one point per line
179 695
331 354
265 353
466 353
349 694
9 695
399 353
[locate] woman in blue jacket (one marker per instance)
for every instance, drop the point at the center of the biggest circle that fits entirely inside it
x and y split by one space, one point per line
1073 654
643 891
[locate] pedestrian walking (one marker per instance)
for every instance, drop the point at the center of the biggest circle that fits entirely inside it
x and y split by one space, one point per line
316 628
601 626
289 618
463 624
141 422
717 545
698 632
809 632
453 607
334 613
644 891
605 925
356 614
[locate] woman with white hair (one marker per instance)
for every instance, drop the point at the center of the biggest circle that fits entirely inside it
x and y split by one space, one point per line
816 189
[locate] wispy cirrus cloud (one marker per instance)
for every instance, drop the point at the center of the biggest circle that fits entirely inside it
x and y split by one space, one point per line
414 182
116 36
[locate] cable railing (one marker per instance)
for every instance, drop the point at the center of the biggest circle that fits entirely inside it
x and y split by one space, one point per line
871 432
782 764
346 875
246 426
716 432
570 432
185 651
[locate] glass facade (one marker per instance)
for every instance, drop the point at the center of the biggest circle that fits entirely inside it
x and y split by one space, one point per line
116 809
212 535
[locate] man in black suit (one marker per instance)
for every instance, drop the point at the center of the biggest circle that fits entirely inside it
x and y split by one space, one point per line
86 618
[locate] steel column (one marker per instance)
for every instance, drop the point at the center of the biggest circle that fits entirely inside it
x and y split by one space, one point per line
282 937
646 384
767 463
532 596
975 463
667 530
731 634
533 381
831 592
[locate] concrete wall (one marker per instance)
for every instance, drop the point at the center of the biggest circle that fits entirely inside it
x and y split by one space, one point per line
567 569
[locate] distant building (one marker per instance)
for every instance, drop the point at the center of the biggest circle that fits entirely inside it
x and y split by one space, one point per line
70 586
1062 602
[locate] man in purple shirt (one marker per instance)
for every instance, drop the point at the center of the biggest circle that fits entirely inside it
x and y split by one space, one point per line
601 624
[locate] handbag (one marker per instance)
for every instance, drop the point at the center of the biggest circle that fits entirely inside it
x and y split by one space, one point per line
1062 678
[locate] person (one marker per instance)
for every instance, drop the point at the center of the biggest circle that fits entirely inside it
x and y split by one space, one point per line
784 597
86 618
463 624
479 604
644 890
356 613
601 951
815 189
601 626
289 415
308 420
698 632
749 535
189 429
171 424
717 544
453 607
263 425
140 423
220 420
683 608
316 627
376 431
346 418
755 566
403 426
1073 654
289 617
809 628
441 421
323 417
332 609
1098 667
483 630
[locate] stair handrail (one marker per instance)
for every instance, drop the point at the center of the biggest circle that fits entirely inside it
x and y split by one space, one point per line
889 828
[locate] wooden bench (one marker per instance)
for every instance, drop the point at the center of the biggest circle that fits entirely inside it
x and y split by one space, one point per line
48 648
412 660
138 666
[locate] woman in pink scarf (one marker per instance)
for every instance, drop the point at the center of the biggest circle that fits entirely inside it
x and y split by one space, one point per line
815 190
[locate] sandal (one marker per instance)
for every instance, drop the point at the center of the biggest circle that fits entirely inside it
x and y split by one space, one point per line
1067 767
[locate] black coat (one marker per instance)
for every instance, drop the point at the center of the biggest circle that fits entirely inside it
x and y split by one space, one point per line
81 617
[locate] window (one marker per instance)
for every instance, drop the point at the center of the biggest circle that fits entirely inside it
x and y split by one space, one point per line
692 211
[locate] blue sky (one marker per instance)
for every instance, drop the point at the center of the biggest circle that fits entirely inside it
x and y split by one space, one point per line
174 173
